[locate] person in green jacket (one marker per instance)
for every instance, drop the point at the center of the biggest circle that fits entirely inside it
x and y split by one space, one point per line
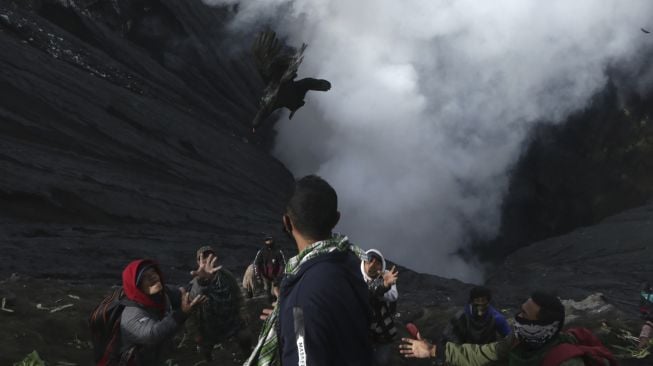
536 332
222 317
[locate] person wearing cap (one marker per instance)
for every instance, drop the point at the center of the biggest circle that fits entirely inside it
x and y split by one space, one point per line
268 266
479 322
382 287
222 316
536 340
153 313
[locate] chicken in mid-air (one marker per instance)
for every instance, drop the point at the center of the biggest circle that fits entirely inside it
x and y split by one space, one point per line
278 67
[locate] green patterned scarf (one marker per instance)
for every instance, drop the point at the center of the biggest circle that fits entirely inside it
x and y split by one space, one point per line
266 352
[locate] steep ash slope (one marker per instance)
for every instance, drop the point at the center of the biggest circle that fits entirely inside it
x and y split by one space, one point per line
109 151
613 257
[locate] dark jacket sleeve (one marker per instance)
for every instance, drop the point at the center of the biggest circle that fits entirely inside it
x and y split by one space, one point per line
330 320
235 292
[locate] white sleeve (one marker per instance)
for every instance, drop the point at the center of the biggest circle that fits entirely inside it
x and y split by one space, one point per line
391 295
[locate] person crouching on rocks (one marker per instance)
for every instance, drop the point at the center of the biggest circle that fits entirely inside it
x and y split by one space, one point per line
479 322
382 287
222 316
152 315
536 340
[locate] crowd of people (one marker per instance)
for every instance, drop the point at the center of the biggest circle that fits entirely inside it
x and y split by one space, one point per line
331 304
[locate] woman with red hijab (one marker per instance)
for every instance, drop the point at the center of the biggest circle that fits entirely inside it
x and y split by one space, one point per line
153 313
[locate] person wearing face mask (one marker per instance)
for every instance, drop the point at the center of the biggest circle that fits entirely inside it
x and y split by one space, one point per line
268 266
479 322
152 315
536 340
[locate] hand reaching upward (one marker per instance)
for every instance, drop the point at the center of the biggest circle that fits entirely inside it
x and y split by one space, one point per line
206 267
390 277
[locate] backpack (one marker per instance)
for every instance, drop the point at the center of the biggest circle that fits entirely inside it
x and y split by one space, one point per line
104 323
588 347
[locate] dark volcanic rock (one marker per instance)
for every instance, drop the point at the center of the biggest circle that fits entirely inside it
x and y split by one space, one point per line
613 257
597 163
124 133
110 151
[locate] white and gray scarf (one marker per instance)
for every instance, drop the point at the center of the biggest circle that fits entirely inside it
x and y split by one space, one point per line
534 333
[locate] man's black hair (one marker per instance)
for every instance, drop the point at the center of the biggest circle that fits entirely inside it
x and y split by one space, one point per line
313 207
480 291
551 308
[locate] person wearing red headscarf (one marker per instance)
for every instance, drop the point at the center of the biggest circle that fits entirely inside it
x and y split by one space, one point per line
153 313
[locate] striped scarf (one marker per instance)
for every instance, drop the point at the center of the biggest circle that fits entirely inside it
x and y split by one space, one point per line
266 352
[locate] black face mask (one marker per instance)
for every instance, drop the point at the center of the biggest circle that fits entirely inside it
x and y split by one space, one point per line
535 333
479 310
158 298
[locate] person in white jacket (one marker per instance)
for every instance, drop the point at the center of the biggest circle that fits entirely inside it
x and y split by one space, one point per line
382 286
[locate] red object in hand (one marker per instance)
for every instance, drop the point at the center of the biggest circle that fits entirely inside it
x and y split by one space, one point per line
412 329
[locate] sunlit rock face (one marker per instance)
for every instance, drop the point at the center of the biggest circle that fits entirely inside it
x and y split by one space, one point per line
124 134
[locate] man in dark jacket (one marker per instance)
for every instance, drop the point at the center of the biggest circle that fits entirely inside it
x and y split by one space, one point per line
221 317
268 265
153 314
479 322
322 317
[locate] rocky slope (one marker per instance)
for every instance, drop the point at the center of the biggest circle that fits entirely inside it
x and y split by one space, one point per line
613 258
124 134
594 165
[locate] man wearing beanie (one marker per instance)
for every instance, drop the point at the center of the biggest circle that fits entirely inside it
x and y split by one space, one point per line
222 316
536 340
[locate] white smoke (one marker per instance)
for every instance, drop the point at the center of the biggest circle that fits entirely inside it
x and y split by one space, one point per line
431 103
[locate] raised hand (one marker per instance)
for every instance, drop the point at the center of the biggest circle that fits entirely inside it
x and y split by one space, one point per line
188 304
416 348
390 277
206 267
